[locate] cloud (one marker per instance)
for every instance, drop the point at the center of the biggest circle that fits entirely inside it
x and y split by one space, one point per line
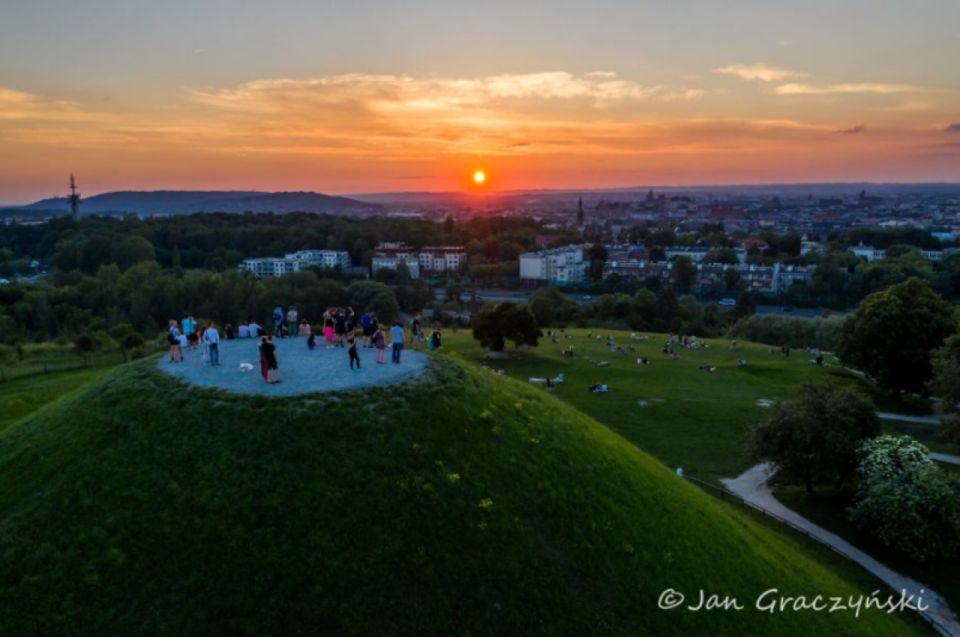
953 128
840 89
18 105
853 130
761 72
409 93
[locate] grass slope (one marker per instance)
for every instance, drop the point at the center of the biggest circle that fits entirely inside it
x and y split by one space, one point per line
460 504
693 419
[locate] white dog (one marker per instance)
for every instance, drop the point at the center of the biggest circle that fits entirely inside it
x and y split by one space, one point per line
246 367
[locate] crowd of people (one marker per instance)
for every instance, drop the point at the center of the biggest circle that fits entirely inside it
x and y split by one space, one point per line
339 328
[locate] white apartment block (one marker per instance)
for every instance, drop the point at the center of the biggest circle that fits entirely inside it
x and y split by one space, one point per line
321 258
390 262
296 261
428 259
561 266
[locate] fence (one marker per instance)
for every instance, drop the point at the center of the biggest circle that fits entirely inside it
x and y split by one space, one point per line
724 494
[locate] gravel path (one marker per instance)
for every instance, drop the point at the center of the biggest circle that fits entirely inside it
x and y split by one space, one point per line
301 371
752 486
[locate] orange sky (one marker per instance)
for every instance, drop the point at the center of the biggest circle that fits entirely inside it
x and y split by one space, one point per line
856 105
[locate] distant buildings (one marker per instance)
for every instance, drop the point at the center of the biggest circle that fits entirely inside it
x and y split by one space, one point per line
771 279
294 262
432 259
559 266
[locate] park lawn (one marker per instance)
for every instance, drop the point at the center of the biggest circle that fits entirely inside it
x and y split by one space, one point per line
827 507
692 419
22 396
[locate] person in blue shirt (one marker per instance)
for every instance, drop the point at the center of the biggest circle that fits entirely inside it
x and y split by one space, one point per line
396 340
278 322
211 338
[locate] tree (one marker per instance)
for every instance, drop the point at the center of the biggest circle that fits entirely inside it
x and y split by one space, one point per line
549 305
84 345
722 255
497 323
597 255
731 278
385 305
905 501
815 434
746 305
683 272
892 334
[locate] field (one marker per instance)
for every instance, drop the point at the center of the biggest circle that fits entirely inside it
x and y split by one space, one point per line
671 409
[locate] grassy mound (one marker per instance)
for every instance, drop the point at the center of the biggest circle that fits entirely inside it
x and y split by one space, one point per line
459 504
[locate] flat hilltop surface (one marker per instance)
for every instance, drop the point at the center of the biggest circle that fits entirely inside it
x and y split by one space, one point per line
302 371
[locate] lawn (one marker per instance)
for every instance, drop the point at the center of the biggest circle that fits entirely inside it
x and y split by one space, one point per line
23 396
690 418
41 373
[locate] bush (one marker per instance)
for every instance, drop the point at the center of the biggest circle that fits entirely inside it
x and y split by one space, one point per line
771 329
906 501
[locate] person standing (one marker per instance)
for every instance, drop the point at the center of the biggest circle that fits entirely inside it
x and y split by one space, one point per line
292 319
367 325
380 344
269 351
352 351
396 341
417 332
173 337
435 338
189 325
278 321
340 325
328 328
211 338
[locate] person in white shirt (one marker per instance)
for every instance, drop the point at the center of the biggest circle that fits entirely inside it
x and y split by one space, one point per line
244 330
211 338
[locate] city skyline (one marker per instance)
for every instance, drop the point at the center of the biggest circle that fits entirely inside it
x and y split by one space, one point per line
375 97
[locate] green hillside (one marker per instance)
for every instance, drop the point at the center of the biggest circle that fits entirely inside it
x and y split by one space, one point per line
459 504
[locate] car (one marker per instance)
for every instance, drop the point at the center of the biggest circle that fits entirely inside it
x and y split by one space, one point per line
727 302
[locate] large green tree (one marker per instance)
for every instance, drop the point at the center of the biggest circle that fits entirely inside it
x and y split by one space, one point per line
893 333
815 434
497 323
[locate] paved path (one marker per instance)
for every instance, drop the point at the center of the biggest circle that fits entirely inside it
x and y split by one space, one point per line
945 458
923 420
301 371
752 486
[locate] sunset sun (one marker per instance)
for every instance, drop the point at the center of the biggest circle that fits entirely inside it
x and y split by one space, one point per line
479 177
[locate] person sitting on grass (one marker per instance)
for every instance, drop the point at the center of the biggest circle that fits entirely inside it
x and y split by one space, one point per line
312 341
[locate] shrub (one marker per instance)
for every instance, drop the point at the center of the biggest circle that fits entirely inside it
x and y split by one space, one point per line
905 500
795 331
